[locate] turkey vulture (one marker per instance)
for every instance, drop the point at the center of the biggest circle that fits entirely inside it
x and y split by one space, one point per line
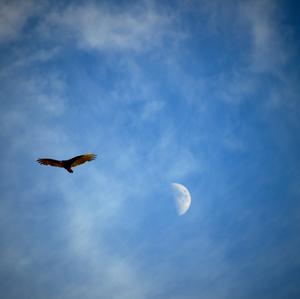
68 164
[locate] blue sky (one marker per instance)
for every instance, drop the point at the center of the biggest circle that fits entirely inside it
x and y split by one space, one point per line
203 93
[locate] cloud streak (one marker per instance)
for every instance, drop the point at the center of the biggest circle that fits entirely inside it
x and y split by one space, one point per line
105 28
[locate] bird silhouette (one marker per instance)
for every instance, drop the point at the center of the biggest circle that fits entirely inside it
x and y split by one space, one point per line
68 164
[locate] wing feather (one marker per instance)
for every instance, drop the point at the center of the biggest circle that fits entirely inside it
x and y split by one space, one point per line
81 159
51 162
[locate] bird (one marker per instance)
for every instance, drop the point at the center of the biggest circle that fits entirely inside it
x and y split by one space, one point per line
67 164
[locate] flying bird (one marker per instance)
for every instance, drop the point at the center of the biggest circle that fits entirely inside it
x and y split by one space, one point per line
68 164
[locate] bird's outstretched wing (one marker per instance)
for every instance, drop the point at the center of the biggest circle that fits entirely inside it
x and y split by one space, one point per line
52 162
81 159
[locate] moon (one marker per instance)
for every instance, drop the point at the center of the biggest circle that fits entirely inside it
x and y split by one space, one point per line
183 198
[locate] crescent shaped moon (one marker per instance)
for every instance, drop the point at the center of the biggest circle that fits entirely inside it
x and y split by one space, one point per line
183 198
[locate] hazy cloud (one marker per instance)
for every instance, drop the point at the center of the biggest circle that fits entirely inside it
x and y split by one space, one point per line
13 16
102 27
270 39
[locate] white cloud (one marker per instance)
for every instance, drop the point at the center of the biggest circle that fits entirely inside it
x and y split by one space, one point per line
109 28
269 44
31 123
269 37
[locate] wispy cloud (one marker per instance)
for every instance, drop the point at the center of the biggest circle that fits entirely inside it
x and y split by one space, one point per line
103 27
271 47
13 16
95 84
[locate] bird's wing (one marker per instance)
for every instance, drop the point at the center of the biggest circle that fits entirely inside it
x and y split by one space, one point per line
81 159
51 162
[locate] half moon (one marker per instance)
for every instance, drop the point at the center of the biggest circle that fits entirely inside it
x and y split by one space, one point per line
183 198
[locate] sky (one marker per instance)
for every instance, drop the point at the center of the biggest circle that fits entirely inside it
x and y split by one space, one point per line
197 92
